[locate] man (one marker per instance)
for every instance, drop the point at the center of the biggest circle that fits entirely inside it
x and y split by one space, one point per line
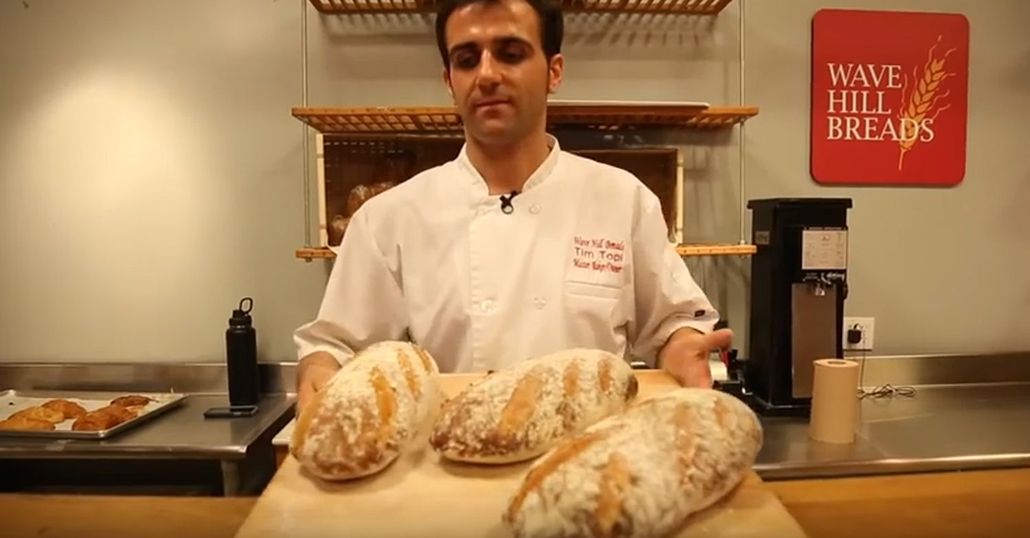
515 248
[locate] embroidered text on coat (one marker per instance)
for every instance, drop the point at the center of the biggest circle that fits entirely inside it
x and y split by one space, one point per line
601 255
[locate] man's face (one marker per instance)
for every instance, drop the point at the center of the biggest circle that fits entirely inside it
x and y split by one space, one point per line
499 77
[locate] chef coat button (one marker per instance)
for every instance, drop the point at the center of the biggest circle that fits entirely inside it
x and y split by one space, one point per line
485 305
540 302
534 209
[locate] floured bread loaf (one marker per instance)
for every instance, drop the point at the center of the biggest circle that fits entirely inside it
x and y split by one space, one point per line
519 413
639 473
359 423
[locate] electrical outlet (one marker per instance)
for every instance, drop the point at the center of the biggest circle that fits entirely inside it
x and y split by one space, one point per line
865 326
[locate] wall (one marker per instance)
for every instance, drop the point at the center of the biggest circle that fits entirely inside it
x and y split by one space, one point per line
150 173
149 178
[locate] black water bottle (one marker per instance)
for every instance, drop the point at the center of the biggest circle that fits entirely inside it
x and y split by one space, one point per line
241 356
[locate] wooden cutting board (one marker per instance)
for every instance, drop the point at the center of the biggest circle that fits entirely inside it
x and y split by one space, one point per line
420 495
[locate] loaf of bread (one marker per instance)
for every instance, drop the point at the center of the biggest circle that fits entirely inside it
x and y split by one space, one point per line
639 473
381 186
359 423
519 413
357 198
362 193
337 227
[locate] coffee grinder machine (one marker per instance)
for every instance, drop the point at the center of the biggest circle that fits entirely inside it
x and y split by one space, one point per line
798 287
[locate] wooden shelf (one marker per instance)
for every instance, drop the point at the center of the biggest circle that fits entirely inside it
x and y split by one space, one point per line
716 250
314 253
393 122
678 7
381 120
317 253
724 116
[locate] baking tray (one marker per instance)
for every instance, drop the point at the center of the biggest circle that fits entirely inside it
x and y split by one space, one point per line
12 401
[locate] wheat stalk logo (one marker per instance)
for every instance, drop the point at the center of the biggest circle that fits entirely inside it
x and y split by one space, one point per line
923 99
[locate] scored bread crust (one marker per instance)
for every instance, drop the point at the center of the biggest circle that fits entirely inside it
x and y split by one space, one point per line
361 420
519 413
639 473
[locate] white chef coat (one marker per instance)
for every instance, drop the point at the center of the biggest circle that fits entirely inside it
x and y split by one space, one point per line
583 260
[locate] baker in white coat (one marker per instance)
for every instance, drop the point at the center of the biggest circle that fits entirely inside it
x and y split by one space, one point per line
515 248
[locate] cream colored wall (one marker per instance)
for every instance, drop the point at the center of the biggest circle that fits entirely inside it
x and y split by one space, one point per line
150 173
149 178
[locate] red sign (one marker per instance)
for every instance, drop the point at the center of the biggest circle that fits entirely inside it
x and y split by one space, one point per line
889 97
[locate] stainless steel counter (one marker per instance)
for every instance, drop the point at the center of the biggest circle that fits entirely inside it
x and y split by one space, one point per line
180 449
180 433
941 428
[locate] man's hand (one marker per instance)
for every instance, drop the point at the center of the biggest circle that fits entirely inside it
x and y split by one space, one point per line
685 355
313 372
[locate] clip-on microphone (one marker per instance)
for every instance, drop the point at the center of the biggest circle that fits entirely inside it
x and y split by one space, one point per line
506 206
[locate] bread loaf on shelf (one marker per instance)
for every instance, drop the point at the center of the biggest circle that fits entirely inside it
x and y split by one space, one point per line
362 193
639 473
368 412
357 197
519 413
381 186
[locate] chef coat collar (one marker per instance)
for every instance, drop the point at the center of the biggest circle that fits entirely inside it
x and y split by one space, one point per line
539 176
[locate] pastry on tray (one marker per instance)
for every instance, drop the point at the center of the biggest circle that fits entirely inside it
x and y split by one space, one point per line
40 413
103 419
68 409
26 423
92 422
133 400
120 412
